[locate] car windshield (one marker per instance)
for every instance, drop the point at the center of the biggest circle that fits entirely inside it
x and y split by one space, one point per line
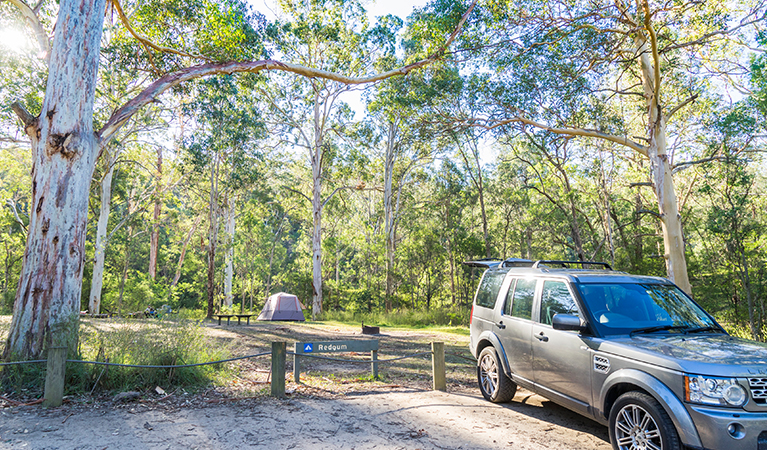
621 308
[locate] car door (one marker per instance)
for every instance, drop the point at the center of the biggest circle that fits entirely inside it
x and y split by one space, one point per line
517 323
561 359
484 307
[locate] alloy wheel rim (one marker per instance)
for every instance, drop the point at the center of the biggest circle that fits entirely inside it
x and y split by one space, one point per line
488 373
635 429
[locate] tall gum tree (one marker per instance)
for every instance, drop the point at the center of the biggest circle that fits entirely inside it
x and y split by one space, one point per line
65 150
625 73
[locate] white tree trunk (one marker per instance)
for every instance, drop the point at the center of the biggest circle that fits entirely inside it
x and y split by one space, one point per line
154 239
316 160
660 167
229 270
65 148
316 239
390 159
212 235
97 278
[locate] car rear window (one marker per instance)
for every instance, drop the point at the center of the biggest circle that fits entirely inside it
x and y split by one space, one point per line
488 289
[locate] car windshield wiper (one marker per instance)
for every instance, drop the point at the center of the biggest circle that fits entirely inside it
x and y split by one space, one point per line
657 328
702 330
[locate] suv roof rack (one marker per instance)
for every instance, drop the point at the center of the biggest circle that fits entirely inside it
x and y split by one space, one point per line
517 262
566 264
490 263
484 262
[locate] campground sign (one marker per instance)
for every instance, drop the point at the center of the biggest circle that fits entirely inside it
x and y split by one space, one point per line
306 348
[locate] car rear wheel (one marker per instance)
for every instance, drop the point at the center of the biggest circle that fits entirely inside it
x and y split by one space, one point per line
639 422
493 382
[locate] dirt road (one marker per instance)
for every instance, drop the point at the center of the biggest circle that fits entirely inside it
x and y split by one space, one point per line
402 419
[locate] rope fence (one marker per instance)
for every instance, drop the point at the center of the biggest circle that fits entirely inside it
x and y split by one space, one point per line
55 373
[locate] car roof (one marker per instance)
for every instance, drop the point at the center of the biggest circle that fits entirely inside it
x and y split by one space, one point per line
526 267
590 276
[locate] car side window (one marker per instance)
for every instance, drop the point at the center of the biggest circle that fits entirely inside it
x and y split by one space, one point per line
488 289
556 299
522 302
509 299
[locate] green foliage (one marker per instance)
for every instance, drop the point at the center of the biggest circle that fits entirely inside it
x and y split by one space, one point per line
147 342
150 343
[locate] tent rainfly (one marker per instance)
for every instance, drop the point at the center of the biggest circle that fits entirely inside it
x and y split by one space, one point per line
282 306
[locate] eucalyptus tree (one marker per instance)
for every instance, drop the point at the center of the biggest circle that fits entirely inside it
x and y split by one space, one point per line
225 144
624 73
404 142
66 148
333 35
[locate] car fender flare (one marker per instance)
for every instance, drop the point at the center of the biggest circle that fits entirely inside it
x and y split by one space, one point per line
679 415
496 343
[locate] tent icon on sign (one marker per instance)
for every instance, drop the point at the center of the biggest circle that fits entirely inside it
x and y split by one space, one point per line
308 348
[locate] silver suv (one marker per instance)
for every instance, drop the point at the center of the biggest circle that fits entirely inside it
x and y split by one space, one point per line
634 353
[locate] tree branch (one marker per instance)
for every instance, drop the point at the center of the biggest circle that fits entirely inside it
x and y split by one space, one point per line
145 41
122 115
26 117
683 165
298 192
654 48
569 132
691 99
30 122
652 213
34 23
12 205
335 192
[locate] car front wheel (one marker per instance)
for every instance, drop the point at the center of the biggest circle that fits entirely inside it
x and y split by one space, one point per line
639 422
493 382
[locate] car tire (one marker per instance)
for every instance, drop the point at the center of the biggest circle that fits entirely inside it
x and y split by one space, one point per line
639 422
493 382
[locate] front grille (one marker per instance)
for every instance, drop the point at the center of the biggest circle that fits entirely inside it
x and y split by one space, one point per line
758 388
601 364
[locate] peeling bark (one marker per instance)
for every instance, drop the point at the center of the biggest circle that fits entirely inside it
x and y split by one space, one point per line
47 305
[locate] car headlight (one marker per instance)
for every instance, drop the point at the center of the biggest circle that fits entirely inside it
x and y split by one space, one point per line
714 391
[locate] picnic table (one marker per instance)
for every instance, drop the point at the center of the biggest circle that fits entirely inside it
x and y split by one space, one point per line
228 317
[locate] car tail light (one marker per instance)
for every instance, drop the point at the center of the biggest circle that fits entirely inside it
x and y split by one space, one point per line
472 313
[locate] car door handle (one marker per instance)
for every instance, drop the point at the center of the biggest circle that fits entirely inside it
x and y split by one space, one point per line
542 337
501 325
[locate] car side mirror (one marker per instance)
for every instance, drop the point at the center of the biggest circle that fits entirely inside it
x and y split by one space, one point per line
568 322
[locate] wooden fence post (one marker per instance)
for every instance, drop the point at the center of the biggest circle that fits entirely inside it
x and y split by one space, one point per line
438 366
279 350
54 376
297 364
374 363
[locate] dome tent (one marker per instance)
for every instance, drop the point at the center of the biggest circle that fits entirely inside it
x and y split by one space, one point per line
282 306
